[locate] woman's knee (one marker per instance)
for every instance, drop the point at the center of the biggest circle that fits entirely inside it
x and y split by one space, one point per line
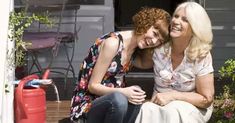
119 101
148 105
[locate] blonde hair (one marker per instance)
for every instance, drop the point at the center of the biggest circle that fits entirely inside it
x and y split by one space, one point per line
201 42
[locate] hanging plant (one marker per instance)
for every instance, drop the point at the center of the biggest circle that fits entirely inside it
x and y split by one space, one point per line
18 22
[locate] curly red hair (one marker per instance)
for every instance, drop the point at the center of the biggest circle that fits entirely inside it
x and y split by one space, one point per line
148 17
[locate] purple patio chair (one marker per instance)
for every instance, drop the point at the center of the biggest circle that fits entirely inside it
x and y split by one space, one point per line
51 42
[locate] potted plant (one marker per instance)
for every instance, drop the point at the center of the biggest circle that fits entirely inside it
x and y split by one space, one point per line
224 104
18 22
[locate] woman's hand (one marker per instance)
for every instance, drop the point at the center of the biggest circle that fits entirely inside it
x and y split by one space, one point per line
163 98
134 94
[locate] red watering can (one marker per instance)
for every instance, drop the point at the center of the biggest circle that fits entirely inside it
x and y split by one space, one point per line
30 102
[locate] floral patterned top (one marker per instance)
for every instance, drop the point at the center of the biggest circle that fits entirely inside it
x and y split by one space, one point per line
183 77
114 77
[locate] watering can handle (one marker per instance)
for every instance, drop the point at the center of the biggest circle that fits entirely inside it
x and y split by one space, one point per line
46 74
20 91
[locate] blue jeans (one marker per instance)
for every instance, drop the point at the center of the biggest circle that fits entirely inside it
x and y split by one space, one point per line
112 108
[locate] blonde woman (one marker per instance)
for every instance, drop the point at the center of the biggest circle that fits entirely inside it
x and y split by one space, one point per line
184 84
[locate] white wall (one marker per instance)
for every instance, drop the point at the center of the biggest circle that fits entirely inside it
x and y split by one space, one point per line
6 73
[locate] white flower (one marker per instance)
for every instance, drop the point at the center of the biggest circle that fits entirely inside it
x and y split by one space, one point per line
113 67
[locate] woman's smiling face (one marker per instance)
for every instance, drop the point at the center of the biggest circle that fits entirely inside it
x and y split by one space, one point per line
180 26
155 36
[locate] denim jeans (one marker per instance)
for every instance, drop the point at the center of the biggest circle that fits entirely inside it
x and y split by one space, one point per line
112 108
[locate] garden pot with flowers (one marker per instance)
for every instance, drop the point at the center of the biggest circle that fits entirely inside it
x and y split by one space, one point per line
224 104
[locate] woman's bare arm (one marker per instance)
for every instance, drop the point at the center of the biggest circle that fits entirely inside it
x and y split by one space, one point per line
107 51
203 97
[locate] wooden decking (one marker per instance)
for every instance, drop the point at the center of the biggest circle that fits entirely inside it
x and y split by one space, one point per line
58 112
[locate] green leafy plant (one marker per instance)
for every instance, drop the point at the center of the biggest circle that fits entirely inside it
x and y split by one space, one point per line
224 105
18 22
228 71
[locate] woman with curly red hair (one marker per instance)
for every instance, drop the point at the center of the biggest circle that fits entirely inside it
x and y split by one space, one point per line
101 95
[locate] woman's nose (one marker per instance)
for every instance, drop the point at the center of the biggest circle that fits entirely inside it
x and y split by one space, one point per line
154 40
175 21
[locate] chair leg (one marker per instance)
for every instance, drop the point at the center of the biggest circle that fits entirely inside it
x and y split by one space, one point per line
70 67
35 63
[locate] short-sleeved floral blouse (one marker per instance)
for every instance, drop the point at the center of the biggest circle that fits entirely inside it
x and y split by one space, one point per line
181 78
114 77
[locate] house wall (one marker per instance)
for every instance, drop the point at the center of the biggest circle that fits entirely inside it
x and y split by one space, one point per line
221 13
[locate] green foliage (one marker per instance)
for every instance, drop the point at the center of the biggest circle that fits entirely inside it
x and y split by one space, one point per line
224 105
18 22
228 70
